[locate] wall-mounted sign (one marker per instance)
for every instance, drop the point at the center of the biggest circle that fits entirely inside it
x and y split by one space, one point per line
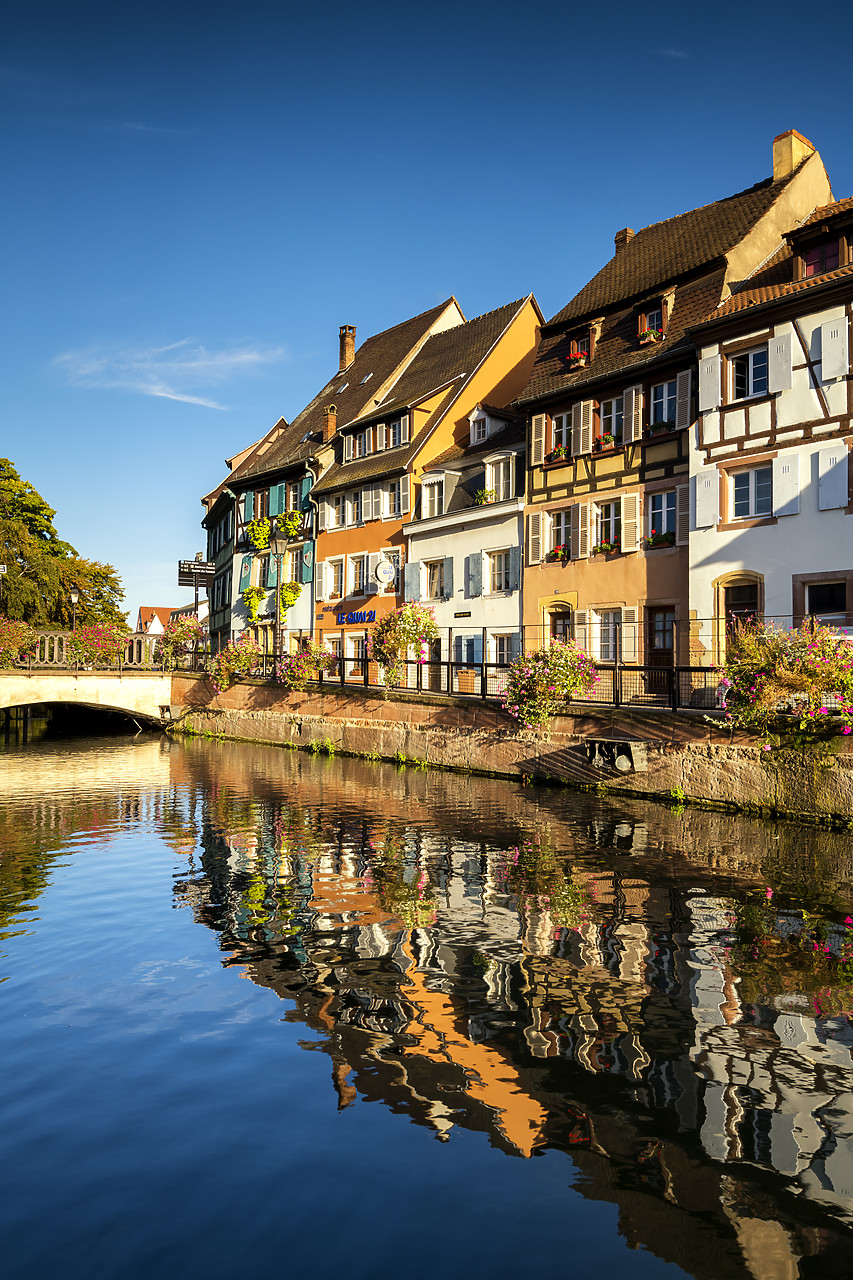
385 573
463 615
347 619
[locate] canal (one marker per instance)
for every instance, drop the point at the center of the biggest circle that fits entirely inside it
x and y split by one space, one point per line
269 1013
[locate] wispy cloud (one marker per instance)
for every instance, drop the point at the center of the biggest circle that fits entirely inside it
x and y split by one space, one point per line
137 127
182 370
672 53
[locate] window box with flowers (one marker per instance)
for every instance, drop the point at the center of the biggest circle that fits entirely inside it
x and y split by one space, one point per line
483 497
659 540
649 336
560 552
577 360
604 441
606 548
558 454
661 427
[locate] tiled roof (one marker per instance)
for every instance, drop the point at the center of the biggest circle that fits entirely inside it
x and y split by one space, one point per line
351 391
666 251
148 612
826 211
462 455
446 358
616 351
755 296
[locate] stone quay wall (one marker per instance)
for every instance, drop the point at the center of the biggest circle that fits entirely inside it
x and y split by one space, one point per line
655 754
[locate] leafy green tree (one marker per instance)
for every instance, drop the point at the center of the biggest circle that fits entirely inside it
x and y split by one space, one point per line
42 569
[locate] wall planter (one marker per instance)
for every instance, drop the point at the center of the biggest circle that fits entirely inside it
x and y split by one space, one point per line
650 336
579 361
604 443
607 549
660 428
655 540
560 553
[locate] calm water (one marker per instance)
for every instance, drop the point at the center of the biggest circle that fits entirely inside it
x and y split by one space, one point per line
265 1013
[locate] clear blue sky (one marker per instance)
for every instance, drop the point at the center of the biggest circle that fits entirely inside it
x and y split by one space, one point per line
196 197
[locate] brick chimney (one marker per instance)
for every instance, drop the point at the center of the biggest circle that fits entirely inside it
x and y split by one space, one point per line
330 422
347 346
623 237
789 149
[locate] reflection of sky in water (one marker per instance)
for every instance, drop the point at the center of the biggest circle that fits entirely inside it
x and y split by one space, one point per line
555 971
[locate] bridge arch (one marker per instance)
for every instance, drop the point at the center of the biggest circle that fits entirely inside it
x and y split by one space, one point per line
143 694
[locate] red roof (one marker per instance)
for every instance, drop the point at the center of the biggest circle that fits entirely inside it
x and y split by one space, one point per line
147 614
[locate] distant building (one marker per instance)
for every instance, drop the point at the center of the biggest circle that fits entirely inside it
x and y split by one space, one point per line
152 618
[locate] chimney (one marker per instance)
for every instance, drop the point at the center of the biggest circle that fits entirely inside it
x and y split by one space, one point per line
347 346
789 149
330 422
623 237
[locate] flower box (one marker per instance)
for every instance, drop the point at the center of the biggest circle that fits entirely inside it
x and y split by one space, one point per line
659 540
660 428
648 336
560 454
605 441
577 360
560 553
606 549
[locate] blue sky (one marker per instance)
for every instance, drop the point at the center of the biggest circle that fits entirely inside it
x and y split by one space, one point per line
197 196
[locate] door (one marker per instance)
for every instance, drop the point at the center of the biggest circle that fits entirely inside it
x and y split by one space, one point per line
561 626
434 668
659 651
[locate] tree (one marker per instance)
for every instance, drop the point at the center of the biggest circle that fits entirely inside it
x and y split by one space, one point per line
42 569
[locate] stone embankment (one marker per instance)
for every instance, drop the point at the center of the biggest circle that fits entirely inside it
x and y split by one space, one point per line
688 756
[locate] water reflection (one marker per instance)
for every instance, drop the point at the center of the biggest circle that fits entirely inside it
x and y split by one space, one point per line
558 972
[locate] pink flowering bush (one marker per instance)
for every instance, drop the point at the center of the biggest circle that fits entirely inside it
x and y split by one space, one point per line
807 672
296 669
412 625
180 636
237 658
100 644
17 640
538 683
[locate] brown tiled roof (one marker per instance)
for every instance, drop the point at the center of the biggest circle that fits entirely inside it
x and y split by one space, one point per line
826 211
616 351
667 251
756 296
148 612
375 361
446 358
474 453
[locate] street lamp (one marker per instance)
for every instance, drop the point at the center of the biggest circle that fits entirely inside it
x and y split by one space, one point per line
279 540
75 596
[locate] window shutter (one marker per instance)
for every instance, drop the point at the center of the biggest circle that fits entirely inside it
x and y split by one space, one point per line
347 448
832 477
779 374
307 483
514 568
833 349
412 580
786 484
586 426
579 628
475 573
381 435
404 494
534 538
630 521
276 499
272 573
632 413
547 534
372 562
308 562
322 516
629 635
320 581
368 440
574 531
683 398
366 505
448 577
537 440
707 499
245 572
376 501
514 646
576 429
248 506
682 515
404 429
583 530
709 384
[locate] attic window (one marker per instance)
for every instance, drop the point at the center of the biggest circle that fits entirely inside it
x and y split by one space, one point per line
651 323
479 430
366 378
820 258
341 388
579 350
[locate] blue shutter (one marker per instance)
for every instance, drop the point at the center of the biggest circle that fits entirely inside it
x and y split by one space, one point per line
514 568
276 499
448 577
307 482
478 649
308 562
412 580
515 646
475 574
245 572
272 573
248 506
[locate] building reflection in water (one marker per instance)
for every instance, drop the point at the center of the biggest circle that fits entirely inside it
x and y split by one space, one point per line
574 985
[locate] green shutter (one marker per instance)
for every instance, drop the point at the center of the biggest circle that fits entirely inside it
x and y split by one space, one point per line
308 562
246 573
307 482
248 506
272 573
277 496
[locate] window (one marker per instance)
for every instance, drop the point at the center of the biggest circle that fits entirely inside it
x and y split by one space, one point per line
357 568
580 345
357 655
479 430
498 571
562 428
222 591
503 650
499 478
393 501
652 318
611 419
261 508
752 493
662 403
337 511
354 500
609 621
266 577
433 499
827 601
360 444
292 566
294 496
561 531
394 434
662 512
749 374
823 257
608 523
336 579
435 579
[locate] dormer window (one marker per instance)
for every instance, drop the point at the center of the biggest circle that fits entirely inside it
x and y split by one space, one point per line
479 429
361 444
579 351
651 324
499 477
820 258
432 497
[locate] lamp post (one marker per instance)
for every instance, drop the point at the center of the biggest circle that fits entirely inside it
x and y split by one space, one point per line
75 596
279 541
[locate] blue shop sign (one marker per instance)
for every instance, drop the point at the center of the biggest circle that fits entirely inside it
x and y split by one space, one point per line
350 618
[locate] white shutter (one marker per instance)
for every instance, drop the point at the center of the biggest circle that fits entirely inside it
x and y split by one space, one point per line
372 561
709 383
404 429
534 538
630 521
368 440
366 505
632 414
537 440
576 428
575 530
404 495
683 398
376 490
786 484
832 477
586 426
629 635
682 515
583 530
320 580
380 435
347 448
579 629
707 499
547 533
833 349
779 375
322 515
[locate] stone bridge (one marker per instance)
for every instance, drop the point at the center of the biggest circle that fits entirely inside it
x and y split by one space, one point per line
144 694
